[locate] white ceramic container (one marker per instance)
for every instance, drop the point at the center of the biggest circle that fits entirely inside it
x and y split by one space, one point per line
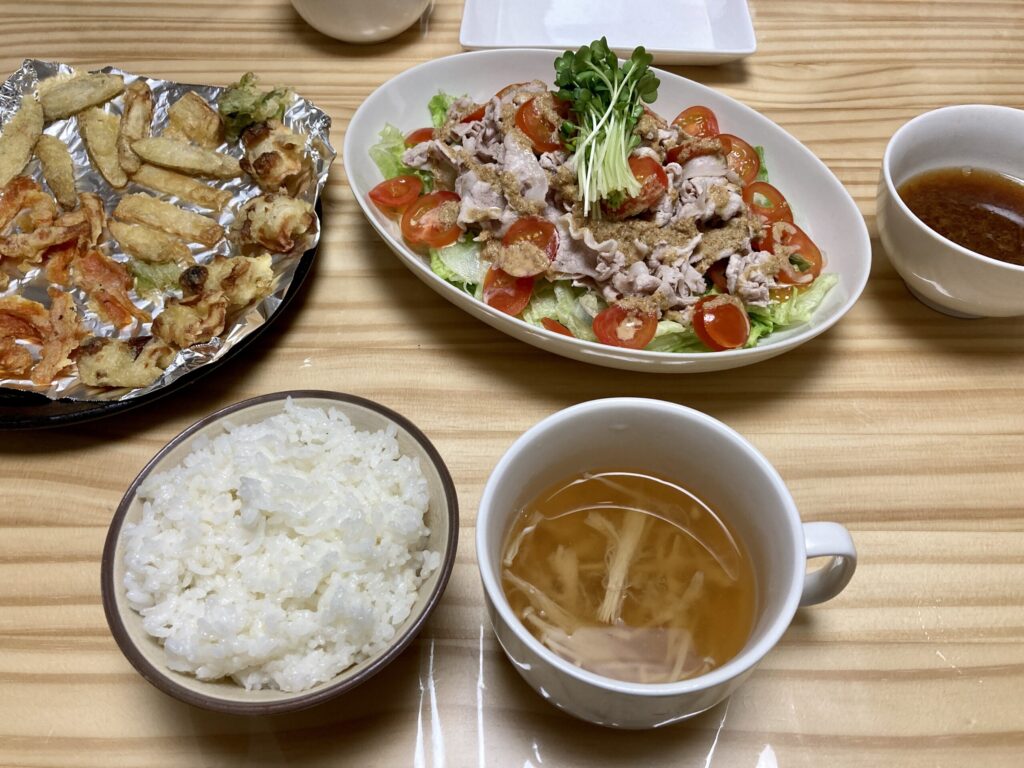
720 467
360 21
823 207
942 274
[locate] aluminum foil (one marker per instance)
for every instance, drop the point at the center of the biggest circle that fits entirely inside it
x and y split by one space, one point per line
302 116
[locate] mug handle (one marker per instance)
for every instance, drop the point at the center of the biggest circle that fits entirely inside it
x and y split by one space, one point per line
828 540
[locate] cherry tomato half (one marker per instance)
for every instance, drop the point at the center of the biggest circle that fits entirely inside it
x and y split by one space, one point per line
697 121
721 322
716 274
557 327
619 327
538 127
766 201
804 261
476 114
743 158
430 220
506 293
395 195
419 136
535 230
653 185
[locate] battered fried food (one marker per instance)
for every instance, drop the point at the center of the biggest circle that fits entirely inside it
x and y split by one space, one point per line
58 262
182 187
148 244
191 119
65 335
29 247
99 130
187 158
192 320
23 193
91 212
133 363
58 170
136 123
276 158
189 226
18 138
24 319
15 360
274 222
107 284
63 98
242 279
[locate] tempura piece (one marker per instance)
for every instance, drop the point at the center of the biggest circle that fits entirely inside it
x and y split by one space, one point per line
18 137
242 279
192 320
148 244
65 335
99 130
63 98
187 158
91 212
133 363
23 193
189 226
191 119
276 158
181 186
15 360
22 318
244 104
274 222
136 123
58 169
107 283
58 261
28 247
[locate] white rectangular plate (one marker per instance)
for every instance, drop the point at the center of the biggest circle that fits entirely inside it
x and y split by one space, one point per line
674 31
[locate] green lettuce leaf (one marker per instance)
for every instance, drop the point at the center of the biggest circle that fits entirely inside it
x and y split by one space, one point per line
675 337
460 264
797 309
438 106
762 174
387 154
572 307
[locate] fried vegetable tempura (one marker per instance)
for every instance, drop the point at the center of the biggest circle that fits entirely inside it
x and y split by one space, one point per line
192 320
274 222
275 156
28 247
65 335
136 362
64 98
136 123
99 130
58 169
23 319
242 279
187 158
191 119
189 226
107 283
24 194
15 360
148 244
181 186
18 138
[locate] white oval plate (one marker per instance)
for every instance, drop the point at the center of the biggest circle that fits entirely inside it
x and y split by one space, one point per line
821 205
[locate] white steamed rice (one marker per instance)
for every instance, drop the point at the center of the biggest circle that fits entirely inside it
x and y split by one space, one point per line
280 553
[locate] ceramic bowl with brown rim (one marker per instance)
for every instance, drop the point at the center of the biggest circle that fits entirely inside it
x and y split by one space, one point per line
147 654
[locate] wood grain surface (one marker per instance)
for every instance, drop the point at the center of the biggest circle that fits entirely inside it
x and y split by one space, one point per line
905 425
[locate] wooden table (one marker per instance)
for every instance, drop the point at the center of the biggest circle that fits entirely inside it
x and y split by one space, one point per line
903 424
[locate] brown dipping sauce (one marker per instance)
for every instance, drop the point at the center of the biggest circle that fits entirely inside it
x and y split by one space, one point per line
978 209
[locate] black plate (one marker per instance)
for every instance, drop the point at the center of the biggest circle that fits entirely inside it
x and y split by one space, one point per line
28 410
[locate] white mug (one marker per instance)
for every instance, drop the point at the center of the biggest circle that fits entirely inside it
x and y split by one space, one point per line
722 469
942 274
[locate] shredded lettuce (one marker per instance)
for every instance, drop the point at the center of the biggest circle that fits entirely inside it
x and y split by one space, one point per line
460 264
794 311
675 337
154 277
438 106
387 154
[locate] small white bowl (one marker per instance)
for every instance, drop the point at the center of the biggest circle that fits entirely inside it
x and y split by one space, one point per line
146 654
946 276
360 21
